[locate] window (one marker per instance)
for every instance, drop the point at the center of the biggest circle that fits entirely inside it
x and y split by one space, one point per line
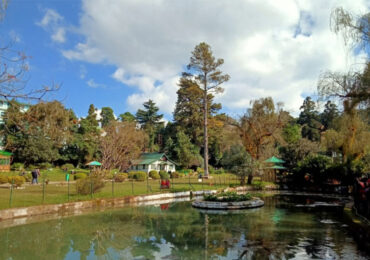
143 166
137 167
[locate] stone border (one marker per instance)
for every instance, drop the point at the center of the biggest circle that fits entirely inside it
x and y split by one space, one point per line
248 204
81 206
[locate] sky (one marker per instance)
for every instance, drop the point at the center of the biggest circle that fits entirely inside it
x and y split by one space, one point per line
120 53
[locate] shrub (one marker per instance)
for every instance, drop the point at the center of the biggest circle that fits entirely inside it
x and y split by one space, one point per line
164 175
3 179
175 175
27 176
227 197
16 180
139 176
87 185
120 177
219 171
17 166
31 167
185 171
79 176
67 166
45 165
154 175
200 170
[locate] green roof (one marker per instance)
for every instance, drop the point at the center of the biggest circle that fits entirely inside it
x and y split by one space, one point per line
94 163
148 158
273 159
277 167
5 153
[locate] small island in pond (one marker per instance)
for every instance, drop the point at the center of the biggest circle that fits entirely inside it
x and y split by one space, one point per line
228 201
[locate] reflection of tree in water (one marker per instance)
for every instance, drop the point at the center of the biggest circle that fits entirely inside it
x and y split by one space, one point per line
177 233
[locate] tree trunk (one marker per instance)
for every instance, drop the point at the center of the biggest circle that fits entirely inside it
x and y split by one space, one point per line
205 132
250 178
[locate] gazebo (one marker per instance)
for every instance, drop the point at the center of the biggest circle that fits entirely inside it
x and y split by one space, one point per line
274 163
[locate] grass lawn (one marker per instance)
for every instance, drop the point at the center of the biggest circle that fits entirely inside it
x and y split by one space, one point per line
31 195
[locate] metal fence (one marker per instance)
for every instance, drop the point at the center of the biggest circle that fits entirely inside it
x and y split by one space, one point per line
65 191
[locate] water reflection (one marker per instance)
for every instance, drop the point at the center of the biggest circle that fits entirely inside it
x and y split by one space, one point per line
177 231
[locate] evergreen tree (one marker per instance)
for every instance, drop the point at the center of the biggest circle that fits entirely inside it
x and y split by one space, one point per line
127 117
150 121
187 154
205 69
309 119
107 116
329 114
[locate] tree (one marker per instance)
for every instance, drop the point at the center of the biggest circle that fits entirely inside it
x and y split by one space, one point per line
205 69
188 114
127 117
240 162
37 134
107 116
329 115
309 119
261 127
121 144
150 121
187 154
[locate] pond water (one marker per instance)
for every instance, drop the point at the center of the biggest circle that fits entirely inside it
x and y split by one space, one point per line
178 231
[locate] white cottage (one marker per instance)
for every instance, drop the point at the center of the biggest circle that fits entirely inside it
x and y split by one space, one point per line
153 161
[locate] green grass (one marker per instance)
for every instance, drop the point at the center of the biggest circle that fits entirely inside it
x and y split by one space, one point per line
58 193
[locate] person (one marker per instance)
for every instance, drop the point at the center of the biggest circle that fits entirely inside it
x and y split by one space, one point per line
34 176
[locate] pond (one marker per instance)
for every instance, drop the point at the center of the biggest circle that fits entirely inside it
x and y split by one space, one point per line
177 231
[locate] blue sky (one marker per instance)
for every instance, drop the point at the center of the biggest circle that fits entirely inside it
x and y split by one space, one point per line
120 53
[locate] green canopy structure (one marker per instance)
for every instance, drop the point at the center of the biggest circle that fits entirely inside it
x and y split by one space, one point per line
274 159
277 167
94 163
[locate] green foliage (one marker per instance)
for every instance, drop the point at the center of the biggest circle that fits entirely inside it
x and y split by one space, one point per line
17 166
150 120
227 197
164 175
187 154
175 175
309 119
139 176
120 177
127 117
154 175
16 180
90 185
3 179
186 171
67 167
314 166
292 133
107 116
27 177
45 165
329 115
200 170
79 175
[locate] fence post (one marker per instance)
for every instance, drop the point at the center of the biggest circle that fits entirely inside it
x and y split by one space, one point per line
43 190
11 193
132 186
147 184
113 187
68 188
91 188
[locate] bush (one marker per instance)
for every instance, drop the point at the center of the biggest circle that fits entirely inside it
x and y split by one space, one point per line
17 166
154 175
67 166
227 197
185 171
16 180
85 185
3 179
139 176
120 177
27 176
45 165
79 176
32 167
175 175
200 170
164 175
220 171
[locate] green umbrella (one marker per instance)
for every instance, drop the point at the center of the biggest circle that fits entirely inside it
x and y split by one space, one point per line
273 159
94 163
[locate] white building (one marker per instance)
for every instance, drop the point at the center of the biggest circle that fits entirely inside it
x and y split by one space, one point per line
153 161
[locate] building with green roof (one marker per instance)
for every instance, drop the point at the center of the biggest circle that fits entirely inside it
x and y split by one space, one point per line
5 161
153 161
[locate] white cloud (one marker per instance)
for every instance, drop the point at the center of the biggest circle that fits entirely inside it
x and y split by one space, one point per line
270 48
91 83
52 23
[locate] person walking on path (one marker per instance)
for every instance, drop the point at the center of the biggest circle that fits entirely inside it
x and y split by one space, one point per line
35 174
